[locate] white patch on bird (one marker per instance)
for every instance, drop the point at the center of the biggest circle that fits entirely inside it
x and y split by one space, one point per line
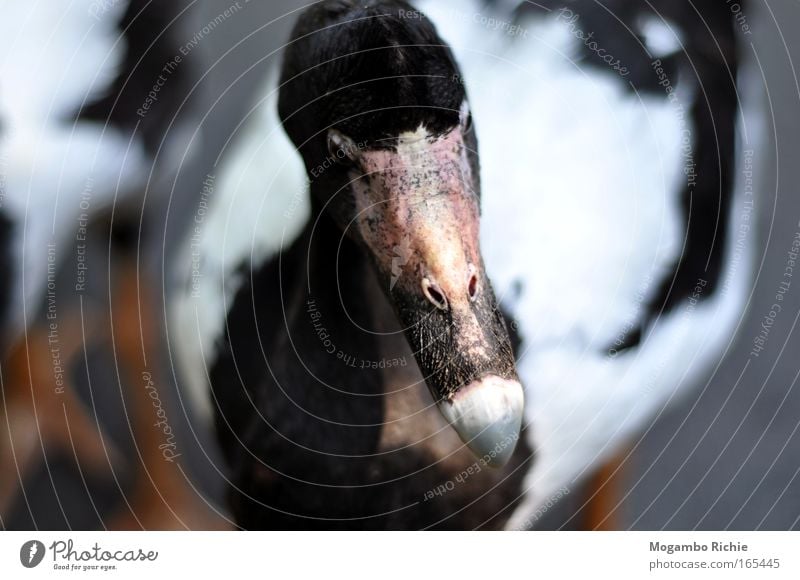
413 140
258 204
581 185
660 36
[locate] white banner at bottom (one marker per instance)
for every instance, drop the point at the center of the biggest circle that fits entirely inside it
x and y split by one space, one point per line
401 555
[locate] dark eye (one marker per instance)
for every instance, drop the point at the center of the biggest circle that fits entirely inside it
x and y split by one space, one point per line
342 149
468 123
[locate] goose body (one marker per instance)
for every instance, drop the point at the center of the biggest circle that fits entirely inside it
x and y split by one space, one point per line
586 168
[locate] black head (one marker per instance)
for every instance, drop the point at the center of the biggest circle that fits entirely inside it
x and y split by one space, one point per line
370 69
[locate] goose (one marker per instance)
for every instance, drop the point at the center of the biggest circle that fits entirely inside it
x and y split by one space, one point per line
462 253
80 136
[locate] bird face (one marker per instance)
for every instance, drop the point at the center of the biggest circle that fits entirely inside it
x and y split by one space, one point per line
382 120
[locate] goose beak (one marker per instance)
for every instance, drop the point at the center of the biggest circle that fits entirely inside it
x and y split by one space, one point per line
419 218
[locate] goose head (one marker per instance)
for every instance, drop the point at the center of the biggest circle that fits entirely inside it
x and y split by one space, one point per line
372 99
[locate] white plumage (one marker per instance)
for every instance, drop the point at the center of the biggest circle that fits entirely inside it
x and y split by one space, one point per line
57 57
581 208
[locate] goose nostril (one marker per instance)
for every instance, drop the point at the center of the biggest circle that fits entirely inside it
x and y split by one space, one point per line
472 284
434 294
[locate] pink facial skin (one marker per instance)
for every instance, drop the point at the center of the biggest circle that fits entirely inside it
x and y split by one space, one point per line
417 212
420 198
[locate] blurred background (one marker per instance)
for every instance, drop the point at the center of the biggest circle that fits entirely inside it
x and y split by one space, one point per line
725 457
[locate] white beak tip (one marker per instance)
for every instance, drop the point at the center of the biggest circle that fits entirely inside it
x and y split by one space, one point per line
487 415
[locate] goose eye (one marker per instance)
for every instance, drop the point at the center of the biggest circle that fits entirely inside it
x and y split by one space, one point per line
341 148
